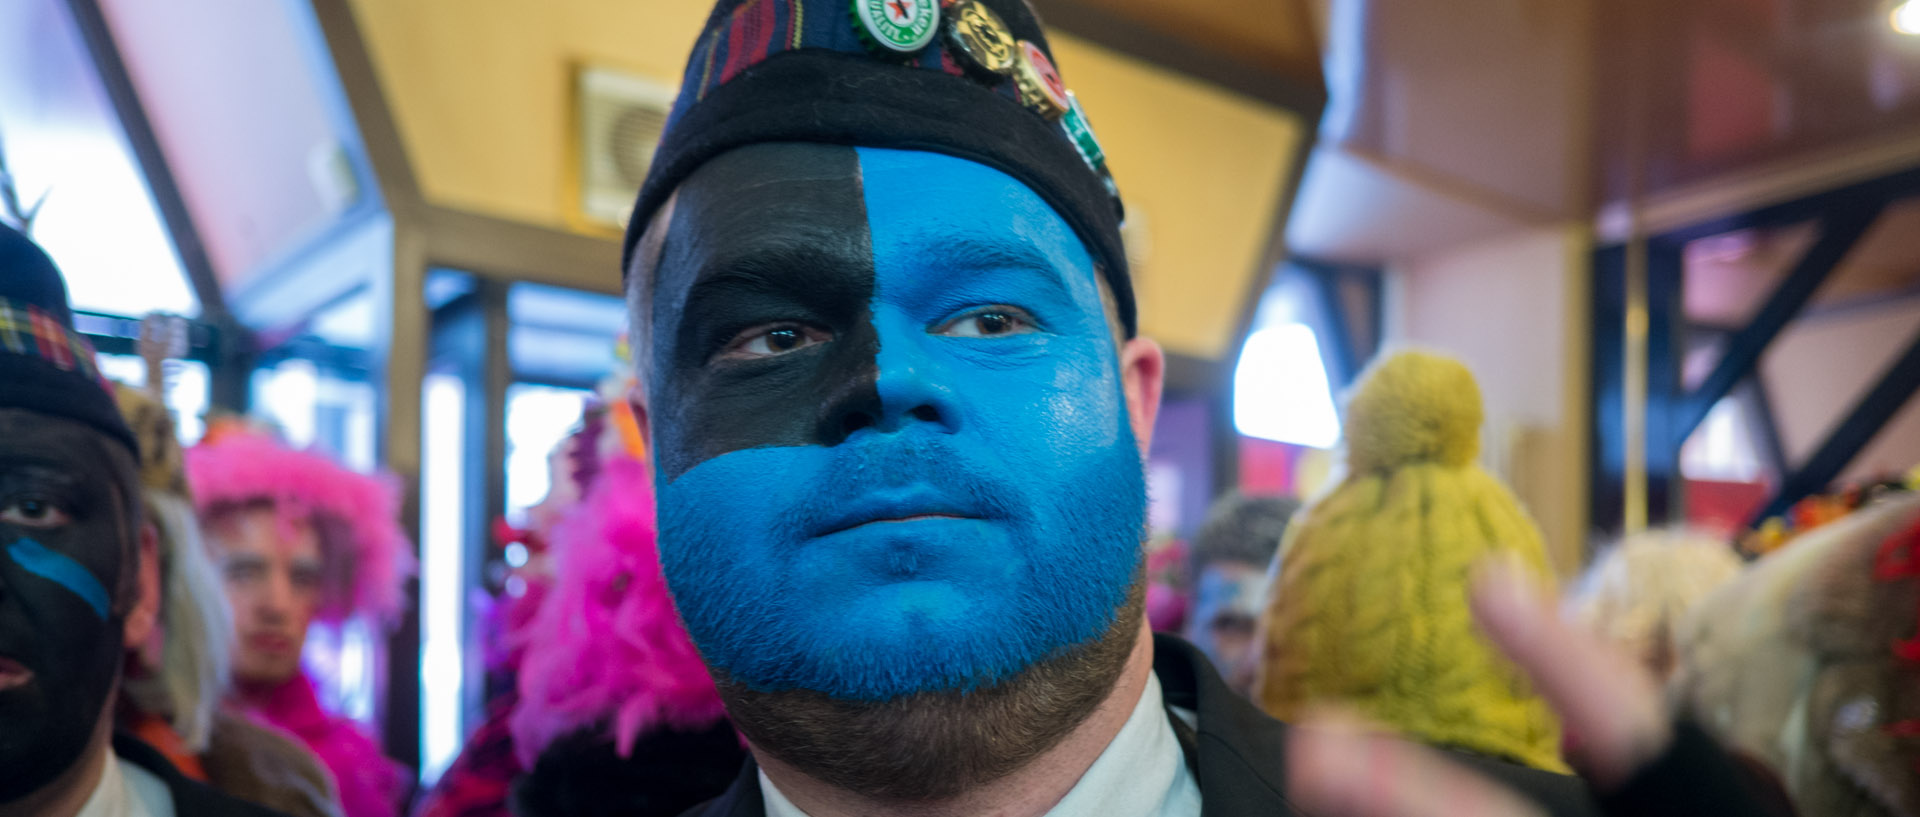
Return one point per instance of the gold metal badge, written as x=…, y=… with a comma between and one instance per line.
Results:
x=979, y=39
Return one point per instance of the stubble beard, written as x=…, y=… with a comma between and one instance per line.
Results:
x=933, y=746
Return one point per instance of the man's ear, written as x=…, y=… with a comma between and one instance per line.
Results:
x=144, y=615
x=1143, y=371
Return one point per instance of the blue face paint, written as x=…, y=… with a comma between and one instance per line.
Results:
x=1227, y=601
x=60, y=569
x=1004, y=466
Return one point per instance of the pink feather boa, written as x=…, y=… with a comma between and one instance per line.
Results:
x=370, y=785
x=607, y=644
x=241, y=466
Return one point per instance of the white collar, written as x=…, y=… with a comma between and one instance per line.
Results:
x=126, y=790
x=1141, y=773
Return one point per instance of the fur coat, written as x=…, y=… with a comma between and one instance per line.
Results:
x=1796, y=663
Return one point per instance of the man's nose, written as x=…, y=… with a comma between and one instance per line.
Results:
x=904, y=387
x=275, y=601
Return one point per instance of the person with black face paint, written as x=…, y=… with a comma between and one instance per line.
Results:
x=898, y=409
x=79, y=576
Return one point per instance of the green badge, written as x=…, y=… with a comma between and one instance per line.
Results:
x=899, y=26
x=1081, y=132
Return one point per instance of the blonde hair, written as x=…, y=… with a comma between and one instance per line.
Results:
x=195, y=658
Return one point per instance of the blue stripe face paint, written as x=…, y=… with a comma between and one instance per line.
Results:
x=62, y=570
x=932, y=483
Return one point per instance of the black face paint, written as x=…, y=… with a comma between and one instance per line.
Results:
x=765, y=234
x=67, y=526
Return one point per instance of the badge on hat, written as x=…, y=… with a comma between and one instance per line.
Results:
x=980, y=40
x=1078, y=129
x=897, y=26
x=1080, y=133
x=1041, y=88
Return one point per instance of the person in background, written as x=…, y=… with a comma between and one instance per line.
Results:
x=612, y=711
x=1636, y=597
x=79, y=571
x=1637, y=593
x=300, y=538
x=1168, y=588
x=177, y=679
x=177, y=676
x=1227, y=571
x=617, y=715
x=480, y=778
x=1809, y=660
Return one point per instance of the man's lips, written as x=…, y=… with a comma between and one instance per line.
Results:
x=13, y=674
x=914, y=506
x=914, y=518
x=896, y=520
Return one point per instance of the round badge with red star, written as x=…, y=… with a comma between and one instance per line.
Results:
x=897, y=26
x=1040, y=85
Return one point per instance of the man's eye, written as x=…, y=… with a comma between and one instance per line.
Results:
x=306, y=578
x=992, y=321
x=33, y=512
x=771, y=340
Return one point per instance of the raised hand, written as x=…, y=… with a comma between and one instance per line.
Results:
x=1336, y=768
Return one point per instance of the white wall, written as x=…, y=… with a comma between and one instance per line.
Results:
x=1821, y=365
x=1514, y=309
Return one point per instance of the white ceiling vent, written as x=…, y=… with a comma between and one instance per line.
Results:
x=621, y=116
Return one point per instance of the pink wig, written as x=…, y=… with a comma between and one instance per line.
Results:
x=236, y=467
x=606, y=645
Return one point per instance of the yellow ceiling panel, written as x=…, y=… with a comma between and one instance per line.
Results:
x=481, y=91
x=1203, y=171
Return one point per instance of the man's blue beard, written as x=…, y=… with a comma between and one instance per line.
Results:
x=875, y=613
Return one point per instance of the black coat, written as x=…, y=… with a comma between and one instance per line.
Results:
x=1239, y=761
x=190, y=798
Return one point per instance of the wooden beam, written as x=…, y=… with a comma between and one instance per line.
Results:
x=1302, y=96
x=510, y=250
x=1838, y=233
x=360, y=80
x=1868, y=416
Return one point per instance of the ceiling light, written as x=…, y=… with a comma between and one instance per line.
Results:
x=1906, y=17
x=1280, y=389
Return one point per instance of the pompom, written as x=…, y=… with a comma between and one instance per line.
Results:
x=1410, y=408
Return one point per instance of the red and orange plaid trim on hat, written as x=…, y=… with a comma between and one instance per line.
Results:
x=26, y=330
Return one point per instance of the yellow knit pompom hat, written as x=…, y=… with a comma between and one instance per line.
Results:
x=1369, y=604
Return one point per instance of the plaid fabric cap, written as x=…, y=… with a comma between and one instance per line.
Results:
x=26, y=330
x=799, y=71
x=49, y=368
x=754, y=30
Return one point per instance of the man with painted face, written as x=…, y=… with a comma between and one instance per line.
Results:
x=79, y=576
x=1228, y=569
x=898, y=412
